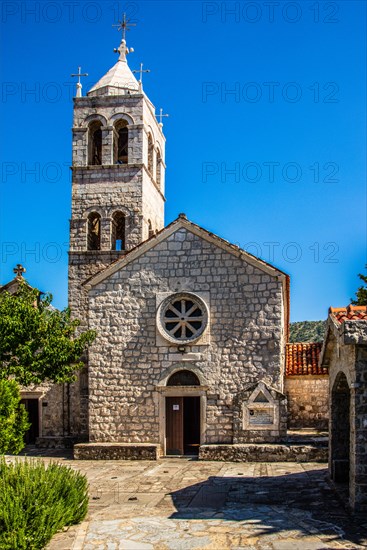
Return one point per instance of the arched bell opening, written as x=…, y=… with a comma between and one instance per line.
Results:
x=121, y=142
x=150, y=154
x=94, y=231
x=158, y=169
x=118, y=231
x=95, y=143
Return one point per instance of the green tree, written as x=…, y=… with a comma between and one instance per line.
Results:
x=13, y=418
x=37, y=341
x=361, y=294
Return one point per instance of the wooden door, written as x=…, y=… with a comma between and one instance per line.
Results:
x=174, y=426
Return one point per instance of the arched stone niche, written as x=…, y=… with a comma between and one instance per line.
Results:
x=259, y=414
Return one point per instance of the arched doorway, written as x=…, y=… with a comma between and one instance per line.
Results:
x=183, y=416
x=340, y=429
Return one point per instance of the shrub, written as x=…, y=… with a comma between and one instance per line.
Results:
x=13, y=418
x=37, y=500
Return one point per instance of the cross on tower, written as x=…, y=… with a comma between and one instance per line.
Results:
x=79, y=74
x=124, y=26
x=19, y=270
x=141, y=71
x=160, y=116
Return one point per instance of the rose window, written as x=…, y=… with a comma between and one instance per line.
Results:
x=183, y=317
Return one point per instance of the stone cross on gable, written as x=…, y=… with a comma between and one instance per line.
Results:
x=19, y=270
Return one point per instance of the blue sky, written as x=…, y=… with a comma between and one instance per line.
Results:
x=266, y=137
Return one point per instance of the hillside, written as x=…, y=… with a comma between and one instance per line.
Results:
x=307, y=331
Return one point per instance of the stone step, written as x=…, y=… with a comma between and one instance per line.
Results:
x=267, y=452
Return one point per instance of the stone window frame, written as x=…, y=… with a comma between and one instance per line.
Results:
x=252, y=405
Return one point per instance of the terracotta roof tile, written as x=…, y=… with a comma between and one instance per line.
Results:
x=303, y=359
x=351, y=313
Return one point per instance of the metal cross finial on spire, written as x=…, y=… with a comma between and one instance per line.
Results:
x=79, y=74
x=141, y=71
x=19, y=270
x=124, y=25
x=160, y=116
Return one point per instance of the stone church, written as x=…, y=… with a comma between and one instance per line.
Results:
x=191, y=330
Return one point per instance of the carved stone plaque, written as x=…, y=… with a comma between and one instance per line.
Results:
x=261, y=417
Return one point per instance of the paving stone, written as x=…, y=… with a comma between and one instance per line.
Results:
x=292, y=506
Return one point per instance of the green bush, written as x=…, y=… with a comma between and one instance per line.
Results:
x=13, y=418
x=37, y=500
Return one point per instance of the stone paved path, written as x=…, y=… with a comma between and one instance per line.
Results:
x=177, y=504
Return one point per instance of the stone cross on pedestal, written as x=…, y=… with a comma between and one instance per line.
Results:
x=141, y=71
x=79, y=74
x=160, y=116
x=19, y=270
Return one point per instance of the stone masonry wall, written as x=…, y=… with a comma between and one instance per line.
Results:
x=358, y=492
x=308, y=401
x=127, y=361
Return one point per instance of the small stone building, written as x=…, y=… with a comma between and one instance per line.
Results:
x=306, y=387
x=344, y=354
x=45, y=420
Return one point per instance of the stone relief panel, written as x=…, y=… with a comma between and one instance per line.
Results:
x=259, y=414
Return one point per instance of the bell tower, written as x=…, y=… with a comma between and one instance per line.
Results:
x=117, y=173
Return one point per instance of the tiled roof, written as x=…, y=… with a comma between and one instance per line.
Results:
x=351, y=313
x=302, y=359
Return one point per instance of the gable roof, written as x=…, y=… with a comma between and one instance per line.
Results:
x=12, y=286
x=349, y=313
x=346, y=325
x=303, y=359
x=183, y=223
